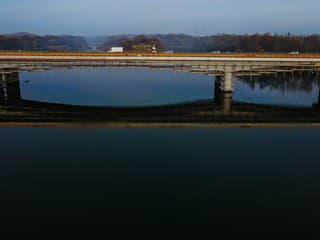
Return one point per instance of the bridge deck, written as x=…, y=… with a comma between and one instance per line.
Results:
x=233, y=58
x=133, y=54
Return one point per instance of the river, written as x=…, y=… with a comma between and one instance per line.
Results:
x=161, y=181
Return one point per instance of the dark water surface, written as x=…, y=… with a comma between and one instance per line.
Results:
x=145, y=87
x=162, y=181
x=176, y=181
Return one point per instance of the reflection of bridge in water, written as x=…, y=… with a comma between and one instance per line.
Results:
x=221, y=108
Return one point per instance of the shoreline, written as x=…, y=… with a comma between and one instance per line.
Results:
x=153, y=125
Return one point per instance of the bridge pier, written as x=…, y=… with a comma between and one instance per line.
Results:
x=222, y=99
x=9, y=88
x=317, y=104
x=3, y=89
x=225, y=82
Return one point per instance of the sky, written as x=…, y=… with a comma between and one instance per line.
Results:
x=196, y=17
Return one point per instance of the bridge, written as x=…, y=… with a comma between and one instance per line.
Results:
x=224, y=67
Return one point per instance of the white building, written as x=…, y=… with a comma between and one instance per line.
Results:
x=116, y=49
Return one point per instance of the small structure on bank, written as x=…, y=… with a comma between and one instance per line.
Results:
x=144, y=48
x=142, y=44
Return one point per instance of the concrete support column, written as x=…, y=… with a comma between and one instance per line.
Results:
x=3, y=89
x=318, y=83
x=13, y=88
x=317, y=105
x=225, y=82
x=228, y=82
x=9, y=88
x=222, y=99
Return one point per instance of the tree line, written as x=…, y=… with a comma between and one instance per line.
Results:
x=129, y=44
x=223, y=42
x=264, y=43
x=177, y=42
x=30, y=42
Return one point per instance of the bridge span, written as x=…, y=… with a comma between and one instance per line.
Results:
x=223, y=66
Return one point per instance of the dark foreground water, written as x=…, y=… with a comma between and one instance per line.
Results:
x=163, y=182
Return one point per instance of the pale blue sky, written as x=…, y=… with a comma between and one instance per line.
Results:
x=197, y=17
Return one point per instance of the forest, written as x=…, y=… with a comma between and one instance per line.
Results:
x=264, y=43
x=129, y=43
x=31, y=42
x=267, y=42
x=225, y=42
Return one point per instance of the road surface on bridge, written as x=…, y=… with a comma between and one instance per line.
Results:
x=87, y=56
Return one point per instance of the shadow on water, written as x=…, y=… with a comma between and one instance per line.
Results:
x=221, y=108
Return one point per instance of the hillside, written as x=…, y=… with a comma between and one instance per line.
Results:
x=227, y=42
x=176, y=42
x=27, y=41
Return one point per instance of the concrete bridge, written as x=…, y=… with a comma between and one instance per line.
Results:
x=223, y=66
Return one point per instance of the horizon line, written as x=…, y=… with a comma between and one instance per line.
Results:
x=169, y=33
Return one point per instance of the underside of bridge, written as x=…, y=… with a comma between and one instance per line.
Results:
x=224, y=70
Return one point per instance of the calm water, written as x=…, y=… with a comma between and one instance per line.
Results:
x=167, y=181
x=128, y=87
x=161, y=182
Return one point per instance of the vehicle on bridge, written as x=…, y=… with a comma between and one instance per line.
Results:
x=116, y=50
